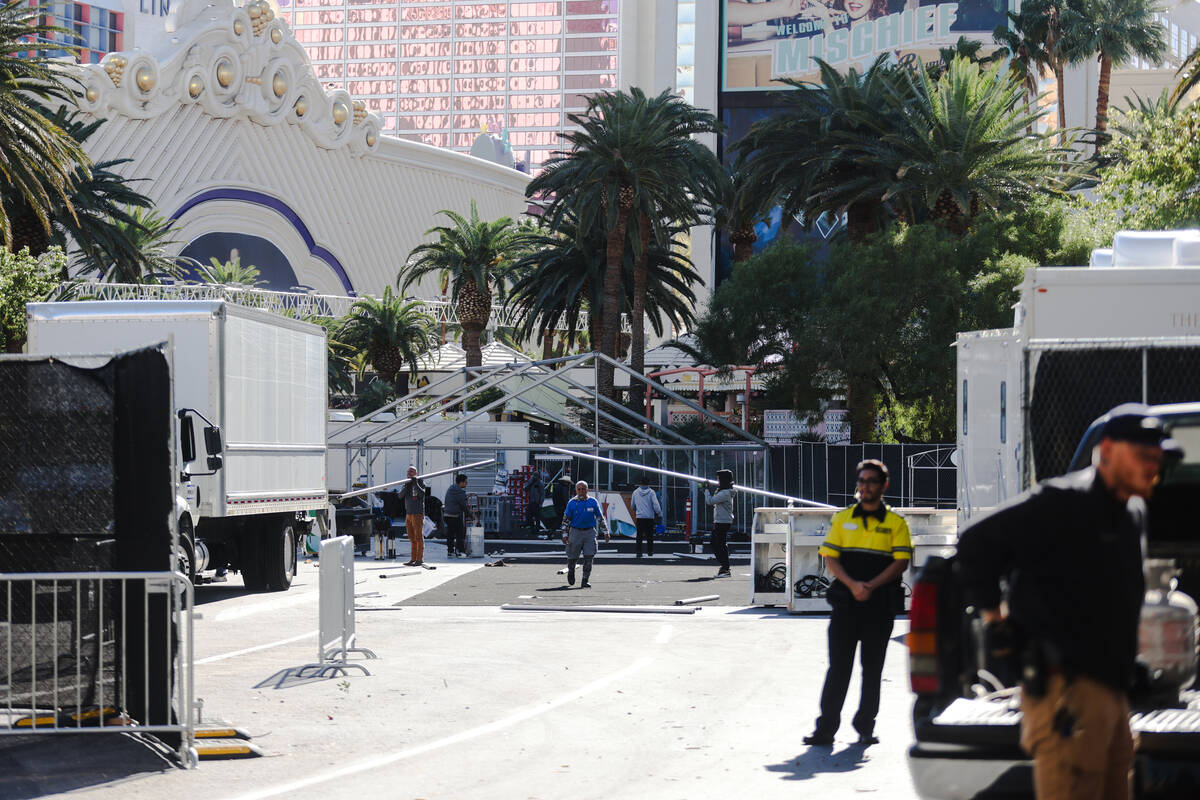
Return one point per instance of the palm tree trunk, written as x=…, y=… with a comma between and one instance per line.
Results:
x=547, y=344
x=1062, y=107
x=471, y=337
x=1102, y=101
x=743, y=245
x=610, y=318
x=859, y=221
x=402, y=383
x=637, y=321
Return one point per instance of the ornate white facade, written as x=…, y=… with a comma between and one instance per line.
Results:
x=226, y=123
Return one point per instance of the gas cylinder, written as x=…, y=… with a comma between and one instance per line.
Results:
x=1167, y=630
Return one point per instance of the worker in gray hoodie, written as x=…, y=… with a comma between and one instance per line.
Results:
x=722, y=503
x=646, y=513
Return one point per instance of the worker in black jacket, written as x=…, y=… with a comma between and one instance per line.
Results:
x=1070, y=550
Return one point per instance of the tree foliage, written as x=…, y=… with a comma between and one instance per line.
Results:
x=393, y=332
x=38, y=158
x=24, y=279
x=476, y=257
x=892, y=143
x=229, y=273
x=1153, y=181
x=561, y=278
x=634, y=166
x=881, y=313
x=1114, y=32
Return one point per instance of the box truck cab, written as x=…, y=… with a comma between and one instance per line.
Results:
x=249, y=395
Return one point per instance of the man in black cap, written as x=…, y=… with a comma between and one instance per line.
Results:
x=1070, y=550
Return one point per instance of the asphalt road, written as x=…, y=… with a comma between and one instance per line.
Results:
x=470, y=701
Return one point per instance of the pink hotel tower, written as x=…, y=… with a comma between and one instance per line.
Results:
x=438, y=71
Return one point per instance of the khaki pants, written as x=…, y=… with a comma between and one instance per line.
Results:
x=1078, y=735
x=416, y=535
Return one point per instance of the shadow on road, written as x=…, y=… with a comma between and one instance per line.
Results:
x=817, y=760
x=36, y=766
x=214, y=594
x=290, y=677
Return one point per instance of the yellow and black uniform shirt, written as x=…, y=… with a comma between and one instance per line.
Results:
x=866, y=542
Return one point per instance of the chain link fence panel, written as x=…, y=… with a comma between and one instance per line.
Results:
x=1069, y=385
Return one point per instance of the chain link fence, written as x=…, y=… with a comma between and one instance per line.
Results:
x=747, y=465
x=1069, y=385
x=920, y=474
x=56, y=442
x=82, y=645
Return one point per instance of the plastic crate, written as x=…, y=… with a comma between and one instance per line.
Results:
x=496, y=513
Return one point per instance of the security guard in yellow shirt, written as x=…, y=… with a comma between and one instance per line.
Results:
x=867, y=550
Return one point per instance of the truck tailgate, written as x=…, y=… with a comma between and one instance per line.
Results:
x=997, y=724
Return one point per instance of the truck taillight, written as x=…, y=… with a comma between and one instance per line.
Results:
x=922, y=639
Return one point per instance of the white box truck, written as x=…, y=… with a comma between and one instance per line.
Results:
x=255, y=381
x=1084, y=339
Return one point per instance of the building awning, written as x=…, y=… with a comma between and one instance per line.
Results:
x=450, y=357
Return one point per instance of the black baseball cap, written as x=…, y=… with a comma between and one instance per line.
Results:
x=1133, y=422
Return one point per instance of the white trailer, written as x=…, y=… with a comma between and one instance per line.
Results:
x=256, y=381
x=1084, y=339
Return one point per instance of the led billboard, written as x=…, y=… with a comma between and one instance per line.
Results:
x=767, y=40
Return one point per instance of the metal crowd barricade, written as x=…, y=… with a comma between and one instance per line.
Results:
x=98, y=652
x=336, y=639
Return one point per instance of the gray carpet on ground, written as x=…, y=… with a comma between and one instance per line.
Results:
x=614, y=582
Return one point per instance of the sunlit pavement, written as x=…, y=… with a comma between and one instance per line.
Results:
x=471, y=701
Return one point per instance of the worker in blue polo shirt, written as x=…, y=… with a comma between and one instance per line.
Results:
x=579, y=532
x=867, y=549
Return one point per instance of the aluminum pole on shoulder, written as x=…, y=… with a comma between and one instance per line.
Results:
x=693, y=478
x=390, y=484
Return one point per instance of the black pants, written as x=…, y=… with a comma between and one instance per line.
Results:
x=720, y=547
x=645, y=533
x=852, y=626
x=533, y=513
x=456, y=535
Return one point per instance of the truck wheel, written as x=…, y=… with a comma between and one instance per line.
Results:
x=279, y=554
x=185, y=553
x=250, y=554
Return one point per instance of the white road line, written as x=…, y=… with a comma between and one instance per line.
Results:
x=270, y=605
x=254, y=649
x=467, y=735
x=664, y=634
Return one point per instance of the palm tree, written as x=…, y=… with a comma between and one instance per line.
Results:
x=38, y=159
x=957, y=145
x=150, y=236
x=104, y=225
x=799, y=155
x=698, y=181
x=1033, y=39
x=476, y=256
x=1189, y=76
x=1116, y=32
x=228, y=273
x=392, y=332
x=1023, y=42
x=561, y=279
x=632, y=161
x=102, y=219
x=963, y=48
x=742, y=205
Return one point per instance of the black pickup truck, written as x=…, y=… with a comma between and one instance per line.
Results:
x=966, y=716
